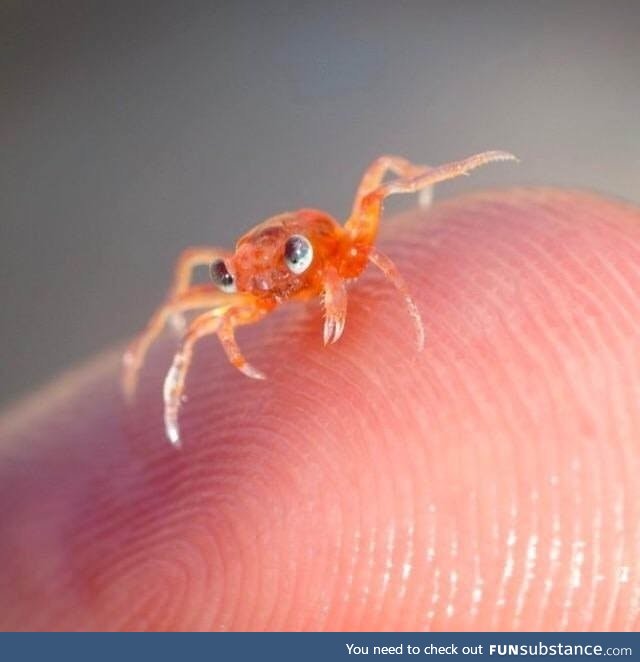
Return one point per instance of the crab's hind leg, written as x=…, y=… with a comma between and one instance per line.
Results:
x=199, y=296
x=390, y=270
x=362, y=225
x=221, y=321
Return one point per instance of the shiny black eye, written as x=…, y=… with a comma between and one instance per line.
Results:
x=221, y=276
x=298, y=253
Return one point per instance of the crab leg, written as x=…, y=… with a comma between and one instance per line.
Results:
x=222, y=321
x=390, y=270
x=375, y=173
x=335, y=306
x=199, y=296
x=188, y=261
x=362, y=226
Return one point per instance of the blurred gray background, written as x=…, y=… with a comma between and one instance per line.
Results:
x=129, y=130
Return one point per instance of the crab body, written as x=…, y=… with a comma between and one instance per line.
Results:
x=297, y=255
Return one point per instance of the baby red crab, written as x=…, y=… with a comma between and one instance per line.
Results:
x=293, y=256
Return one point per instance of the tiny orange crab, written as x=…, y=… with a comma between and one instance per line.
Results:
x=293, y=256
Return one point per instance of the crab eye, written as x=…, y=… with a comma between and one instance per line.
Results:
x=221, y=276
x=298, y=253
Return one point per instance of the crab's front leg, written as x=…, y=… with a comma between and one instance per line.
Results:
x=240, y=309
x=335, y=306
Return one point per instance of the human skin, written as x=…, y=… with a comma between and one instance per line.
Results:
x=489, y=482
